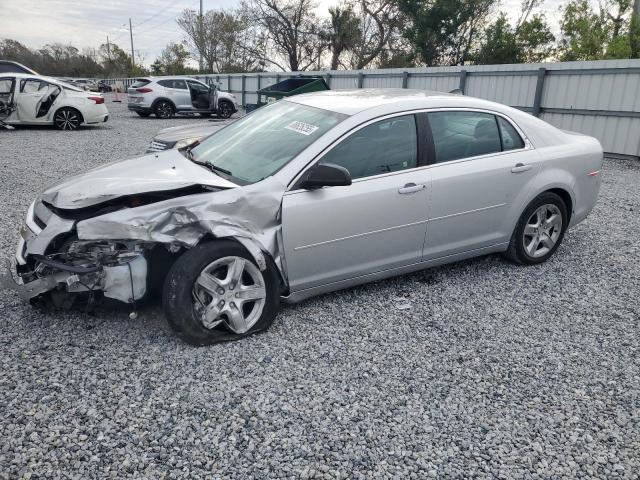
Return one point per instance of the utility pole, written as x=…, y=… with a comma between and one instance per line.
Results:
x=133, y=64
x=634, y=30
x=200, y=33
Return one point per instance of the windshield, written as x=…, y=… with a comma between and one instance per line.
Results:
x=261, y=143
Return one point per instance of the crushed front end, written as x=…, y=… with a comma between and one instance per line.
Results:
x=51, y=261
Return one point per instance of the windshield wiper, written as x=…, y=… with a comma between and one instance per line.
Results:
x=217, y=168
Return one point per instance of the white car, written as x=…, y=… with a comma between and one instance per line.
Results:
x=27, y=99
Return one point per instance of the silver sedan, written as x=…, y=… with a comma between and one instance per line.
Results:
x=311, y=194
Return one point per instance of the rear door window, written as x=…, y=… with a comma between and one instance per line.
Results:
x=32, y=85
x=511, y=140
x=465, y=134
x=179, y=84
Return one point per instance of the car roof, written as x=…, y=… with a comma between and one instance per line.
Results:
x=351, y=102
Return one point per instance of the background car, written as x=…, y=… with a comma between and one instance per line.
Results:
x=86, y=84
x=104, y=87
x=166, y=96
x=27, y=99
x=181, y=137
x=308, y=195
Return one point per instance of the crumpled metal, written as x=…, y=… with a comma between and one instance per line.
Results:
x=250, y=214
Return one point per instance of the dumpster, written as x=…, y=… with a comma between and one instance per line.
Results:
x=290, y=87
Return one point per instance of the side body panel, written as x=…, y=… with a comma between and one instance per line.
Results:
x=477, y=201
x=336, y=233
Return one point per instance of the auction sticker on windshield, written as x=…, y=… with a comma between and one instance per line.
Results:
x=301, y=127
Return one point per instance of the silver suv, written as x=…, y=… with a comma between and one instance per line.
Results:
x=166, y=96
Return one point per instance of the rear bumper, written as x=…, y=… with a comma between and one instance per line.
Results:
x=96, y=114
x=134, y=107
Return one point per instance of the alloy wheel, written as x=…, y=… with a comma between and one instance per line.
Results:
x=542, y=230
x=164, y=109
x=229, y=291
x=67, y=119
x=225, y=110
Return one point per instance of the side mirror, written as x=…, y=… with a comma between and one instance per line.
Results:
x=325, y=175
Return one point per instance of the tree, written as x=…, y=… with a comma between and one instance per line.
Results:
x=291, y=30
x=530, y=41
x=115, y=61
x=593, y=35
x=378, y=25
x=341, y=32
x=442, y=32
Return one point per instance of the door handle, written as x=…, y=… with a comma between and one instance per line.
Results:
x=520, y=167
x=411, y=188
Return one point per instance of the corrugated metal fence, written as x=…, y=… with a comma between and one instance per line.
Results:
x=599, y=98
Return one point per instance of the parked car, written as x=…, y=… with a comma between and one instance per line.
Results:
x=27, y=99
x=9, y=66
x=166, y=96
x=307, y=195
x=181, y=137
x=86, y=84
x=104, y=87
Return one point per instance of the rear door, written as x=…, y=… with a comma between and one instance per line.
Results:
x=31, y=93
x=377, y=223
x=177, y=91
x=480, y=176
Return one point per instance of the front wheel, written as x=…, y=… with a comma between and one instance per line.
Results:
x=225, y=109
x=164, y=109
x=215, y=292
x=67, y=119
x=539, y=231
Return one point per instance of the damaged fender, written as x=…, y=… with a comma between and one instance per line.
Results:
x=250, y=214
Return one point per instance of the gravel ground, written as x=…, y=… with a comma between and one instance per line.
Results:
x=477, y=369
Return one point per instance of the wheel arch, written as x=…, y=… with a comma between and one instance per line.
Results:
x=160, y=99
x=566, y=198
x=70, y=107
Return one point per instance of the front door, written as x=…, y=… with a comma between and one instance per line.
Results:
x=7, y=105
x=377, y=223
x=479, y=181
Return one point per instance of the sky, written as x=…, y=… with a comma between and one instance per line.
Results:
x=87, y=23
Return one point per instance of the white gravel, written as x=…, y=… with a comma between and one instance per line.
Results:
x=479, y=369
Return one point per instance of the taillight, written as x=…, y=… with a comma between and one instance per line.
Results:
x=143, y=90
x=98, y=100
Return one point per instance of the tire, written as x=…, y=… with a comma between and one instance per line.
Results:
x=164, y=109
x=67, y=118
x=202, y=281
x=537, y=236
x=225, y=109
x=144, y=114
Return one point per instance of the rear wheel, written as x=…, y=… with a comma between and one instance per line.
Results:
x=225, y=109
x=215, y=292
x=539, y=231
x=67, y=119
x=144, y=114
x=164, y=109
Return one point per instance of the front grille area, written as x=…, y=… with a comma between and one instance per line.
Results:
x=156, y=146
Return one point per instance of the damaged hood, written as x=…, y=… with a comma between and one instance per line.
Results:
x=158, y=172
